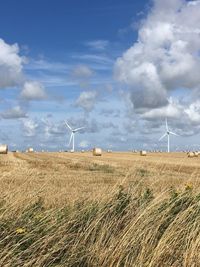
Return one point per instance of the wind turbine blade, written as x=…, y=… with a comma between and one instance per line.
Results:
x=166, y=124
x=68, y=125
x=79, y=129
x=162, y=137
x=174, y=133
x=70, y=139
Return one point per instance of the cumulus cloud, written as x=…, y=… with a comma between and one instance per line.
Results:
x=165, y=56
x=184, y=118
x=11, y=73
x=53, y=129
x=92, y=126
x=173, y=110
x=11, y=64
x=30, y=127
x=14, y=113
x=33, y=90
x=108, y=125
x=193, y=112
x=109, y=112
x=87, y=100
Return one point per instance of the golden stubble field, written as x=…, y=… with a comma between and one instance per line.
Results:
x=118, y=210
x=60, y=177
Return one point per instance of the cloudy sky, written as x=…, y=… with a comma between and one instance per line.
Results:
x=117, y=67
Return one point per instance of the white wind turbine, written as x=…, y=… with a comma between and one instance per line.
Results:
x=73, y=131
x=168, y=132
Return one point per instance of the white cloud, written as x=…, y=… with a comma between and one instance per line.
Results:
x=165, y=56
x=193, y=112
x=11, y=64
x=87, y=100
x=30, y=127
x=14, y=113
x=82, y=72
x=173, y=110
x=33, y=91
x=193, y=3
x=53, y=129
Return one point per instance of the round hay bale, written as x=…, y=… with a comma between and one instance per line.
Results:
x=196, y=154
x=3, y=149
x=97, y=151
x=109, y=151
x=190, y=154
x=82, y=151
x=143, y=153
x=30, y=150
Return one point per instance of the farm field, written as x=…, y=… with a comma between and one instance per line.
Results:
x=120, y=209
x=71, y=176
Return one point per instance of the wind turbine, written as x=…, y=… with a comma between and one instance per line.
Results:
x=73, y=131
x=168, y=132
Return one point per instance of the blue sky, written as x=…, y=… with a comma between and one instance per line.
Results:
x=117, y=67
x=59, y=28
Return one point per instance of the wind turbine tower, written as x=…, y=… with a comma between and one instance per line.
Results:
x=73, y=131
x=168, y=133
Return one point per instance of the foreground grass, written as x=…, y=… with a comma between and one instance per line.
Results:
x=131, y=227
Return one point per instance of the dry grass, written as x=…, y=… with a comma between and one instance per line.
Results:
x=65, y=209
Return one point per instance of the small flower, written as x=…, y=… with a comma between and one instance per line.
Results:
x=20, y=230
x=188, y=186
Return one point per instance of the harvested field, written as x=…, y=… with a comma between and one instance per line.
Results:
x=58, y=177
x=120, y=209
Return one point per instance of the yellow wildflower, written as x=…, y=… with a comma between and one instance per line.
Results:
x=20, y=230
x=188, y=186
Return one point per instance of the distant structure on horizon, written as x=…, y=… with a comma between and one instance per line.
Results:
x=167, y=133
x=73, y=131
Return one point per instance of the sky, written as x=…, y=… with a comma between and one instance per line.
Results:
x=117, y=67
